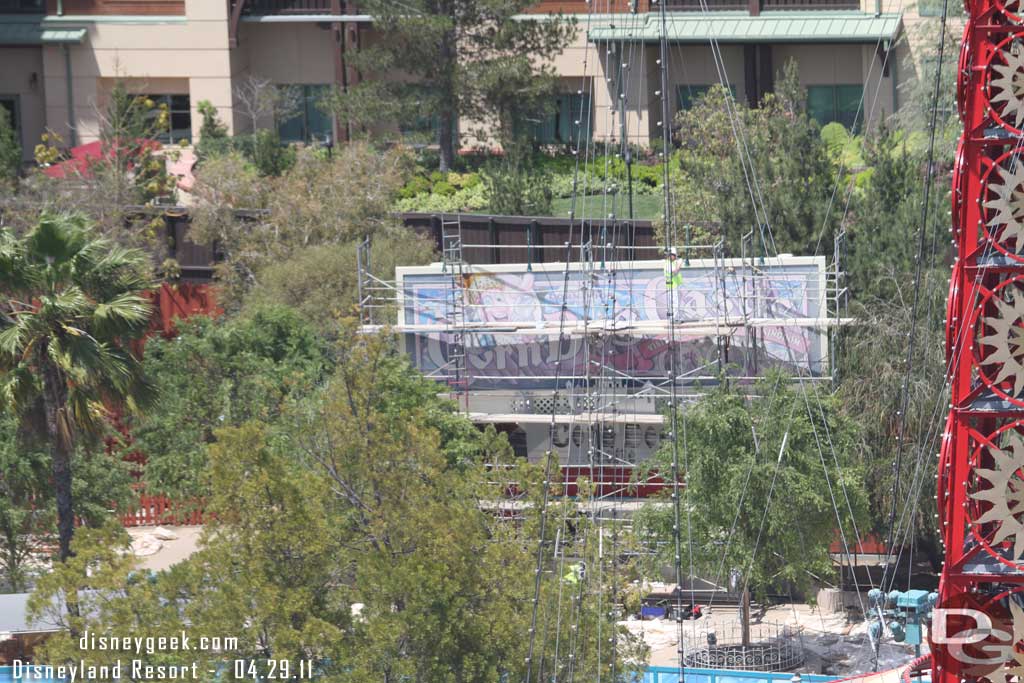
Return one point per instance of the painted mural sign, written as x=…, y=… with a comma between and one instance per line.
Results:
x=628, y=295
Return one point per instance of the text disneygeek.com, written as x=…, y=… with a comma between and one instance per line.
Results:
x=139, y=668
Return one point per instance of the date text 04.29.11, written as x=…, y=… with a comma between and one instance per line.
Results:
x=272, y=669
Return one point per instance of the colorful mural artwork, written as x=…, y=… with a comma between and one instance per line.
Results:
x=628, y=295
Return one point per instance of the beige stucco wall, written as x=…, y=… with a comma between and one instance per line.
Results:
x=284, y=53
x=844, y=65
x=21, y=75
x=695, y=65
x=191, y=55
x=288, y=53
x=147, y=51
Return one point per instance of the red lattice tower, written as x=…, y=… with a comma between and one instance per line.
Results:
x=981, y=463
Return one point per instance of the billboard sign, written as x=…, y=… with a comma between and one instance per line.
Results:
x=527, y=354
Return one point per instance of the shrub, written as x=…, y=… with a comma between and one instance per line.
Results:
x=443, y=188
x=212, y=128
x=263, y=150
x=10, y=150
x=518, y=186
x=416, y=185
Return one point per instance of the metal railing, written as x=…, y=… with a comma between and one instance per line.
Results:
x=772, y=647
x=765, y=5
x=712, y=5
x=773, y=5
x=287, y=7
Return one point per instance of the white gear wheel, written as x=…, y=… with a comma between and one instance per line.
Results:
x=1009, y=79
x=1007, y=340
x=1006, y=495
x=1008, y=203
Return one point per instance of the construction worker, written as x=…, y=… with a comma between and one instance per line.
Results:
x=673, y=279
x=575, y=574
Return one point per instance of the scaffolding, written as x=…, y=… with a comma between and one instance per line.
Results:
x=455, y=311
x=492, y=332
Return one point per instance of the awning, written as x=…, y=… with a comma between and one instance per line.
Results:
x=22, y=30
x=824, y=26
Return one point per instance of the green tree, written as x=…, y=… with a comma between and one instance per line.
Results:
x=322, y=200
x=10, y=151
x=26, y=510
x=72, y=301
x=320, y=282
x=473, y=60
x=129, y=171
x=217, y=374
x=757, y=488
x=130, y=127
x=518, y=186
x=791, y=191
x=212, y=127
x=884, y=232
x=357, y=530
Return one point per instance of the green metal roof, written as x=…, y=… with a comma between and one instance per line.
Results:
x=826, y=26
x=28, y=30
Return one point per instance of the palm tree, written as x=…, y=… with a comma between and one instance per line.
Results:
x=71, y=303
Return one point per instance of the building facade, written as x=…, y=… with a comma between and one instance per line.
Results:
x=59, y=60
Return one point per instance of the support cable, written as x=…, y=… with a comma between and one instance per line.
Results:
x=905, y=391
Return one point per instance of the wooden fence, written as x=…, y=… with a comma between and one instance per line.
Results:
x=160, y=510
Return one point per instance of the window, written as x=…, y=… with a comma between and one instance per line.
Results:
x=180, y=110
x=933, y=8
x=828, y=103
x=10, y=103
x=423, y=124
x=28, y=6
x=687, y=95
x=309, y=122
x=558, y=125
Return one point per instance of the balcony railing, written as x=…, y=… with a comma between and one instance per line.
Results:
x=287, y=7
x=699, y=5
x=765, y=5
x=771, y=5
x=22, y=7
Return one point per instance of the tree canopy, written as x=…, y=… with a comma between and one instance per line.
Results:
x=353, y=532
x=482, y=61
x=72, y=303
x=770, y=476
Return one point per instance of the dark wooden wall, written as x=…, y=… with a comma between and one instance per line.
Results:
x=527, y=239
x=126, y=7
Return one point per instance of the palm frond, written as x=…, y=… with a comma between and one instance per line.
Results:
x=105, y=270
x=65, y=305
x=19, y=388
x=87, y=300
x=57, y=238
x=13, y=273
x=126, y=315
x=12, y=343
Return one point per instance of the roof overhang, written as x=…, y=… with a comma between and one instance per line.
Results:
x=29, y=30
x=768, y=27
x=14, y=619
x=307, y=18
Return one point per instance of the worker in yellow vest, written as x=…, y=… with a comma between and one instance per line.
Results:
x=673, y=279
